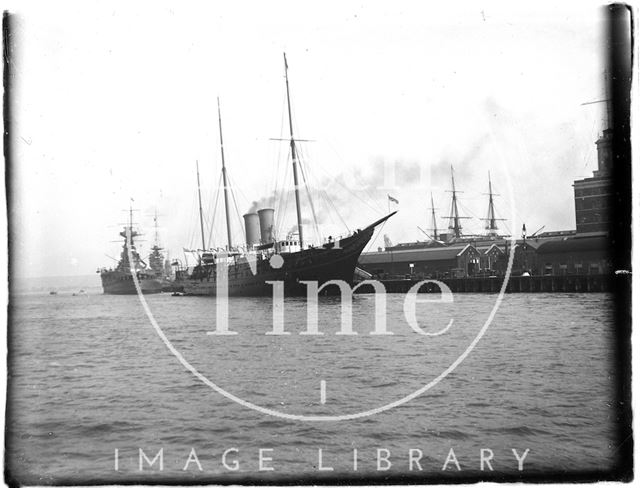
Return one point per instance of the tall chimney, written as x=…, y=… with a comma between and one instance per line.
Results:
x=252, y=228
x=266, y=225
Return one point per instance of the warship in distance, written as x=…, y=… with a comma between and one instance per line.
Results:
x=158, y=266
x=119, y=280
x=266, y=258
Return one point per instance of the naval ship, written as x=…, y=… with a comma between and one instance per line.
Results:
x=119, y=280
x=158, y=265
x=290, y=260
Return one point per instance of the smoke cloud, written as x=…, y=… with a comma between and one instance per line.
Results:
x=263, y=202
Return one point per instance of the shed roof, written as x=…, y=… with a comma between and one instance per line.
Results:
x=426, y=254
x=576, y=244
x=486, y=249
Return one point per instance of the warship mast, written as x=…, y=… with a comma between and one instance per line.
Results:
x=491, y=219
x=454, y=215
x=155, y=226
x=433, y=220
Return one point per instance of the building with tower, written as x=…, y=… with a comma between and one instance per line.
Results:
x=452, y=254
x=592, y=195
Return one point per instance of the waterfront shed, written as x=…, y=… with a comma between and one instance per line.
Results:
x=577, y=255
x=434, y=262
x=493, y=258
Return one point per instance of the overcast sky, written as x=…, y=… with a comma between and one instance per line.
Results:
x=115, y=101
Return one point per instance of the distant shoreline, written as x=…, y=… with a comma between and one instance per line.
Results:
x=19, y=284
x=48, y=277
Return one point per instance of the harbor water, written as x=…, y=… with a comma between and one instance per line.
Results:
x=92, y=385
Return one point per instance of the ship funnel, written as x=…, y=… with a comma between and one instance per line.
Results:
x=252, y=228
x=266, y=225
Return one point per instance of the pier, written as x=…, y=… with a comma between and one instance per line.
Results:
x=592, y=283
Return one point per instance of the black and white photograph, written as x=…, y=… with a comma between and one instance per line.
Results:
x=318, y=243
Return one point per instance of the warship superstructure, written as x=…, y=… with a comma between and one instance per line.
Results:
x=119, y=280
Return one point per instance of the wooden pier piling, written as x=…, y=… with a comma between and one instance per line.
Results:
x=516, y=284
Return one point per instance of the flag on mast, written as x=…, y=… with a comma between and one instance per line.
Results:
x=391, y=199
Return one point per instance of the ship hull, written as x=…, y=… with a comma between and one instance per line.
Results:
x=334, y=261
x=121, y=283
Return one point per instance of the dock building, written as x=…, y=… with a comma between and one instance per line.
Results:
x=583, y=251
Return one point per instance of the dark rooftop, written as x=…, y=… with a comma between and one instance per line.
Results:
x=576, y=244
x=425, y=254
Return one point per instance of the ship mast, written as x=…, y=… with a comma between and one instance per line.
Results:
x=433, y=220
x=454, y=217
x=294, y=157
x=128, y=240
x=200, y=206
x=131, y=219
x=491, y=214
x=224, y=182
x=155, y=225
x=492, y=220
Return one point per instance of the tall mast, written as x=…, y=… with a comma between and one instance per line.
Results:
x=454, y=218
x=200, y=206
x=128, y=239
x=294, y=157
x=224, y=182
x=130, y=218
x=491, y=214
x=433, y=220
x=155, y=225
x=492, y=220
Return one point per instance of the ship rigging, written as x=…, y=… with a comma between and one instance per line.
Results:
x=251, y=268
